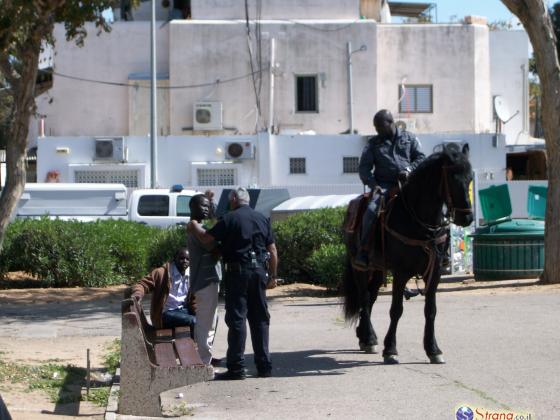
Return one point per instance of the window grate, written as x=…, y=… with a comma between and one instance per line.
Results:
x=306, y=94
x=128, y=178
x=297, y=166
x=416, y=99
x=210, y=177
x=350, y=164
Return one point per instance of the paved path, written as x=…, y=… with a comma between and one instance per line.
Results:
x=501, y=349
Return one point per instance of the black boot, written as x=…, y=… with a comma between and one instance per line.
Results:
x=410, y=293
x=361, y=260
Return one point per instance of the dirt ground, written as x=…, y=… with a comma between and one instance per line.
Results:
x=31, y=405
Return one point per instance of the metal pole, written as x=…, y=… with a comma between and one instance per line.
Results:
x=350, y=110
x=271, y=96
x=88, y=374
x=153, y=101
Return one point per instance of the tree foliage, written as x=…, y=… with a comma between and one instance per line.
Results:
x=25, y=27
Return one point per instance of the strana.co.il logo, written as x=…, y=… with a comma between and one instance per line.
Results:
x=464, y=413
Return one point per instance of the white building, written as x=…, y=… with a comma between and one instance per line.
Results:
x=320, y=67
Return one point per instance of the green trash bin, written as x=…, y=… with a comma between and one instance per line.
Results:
x=509, y=250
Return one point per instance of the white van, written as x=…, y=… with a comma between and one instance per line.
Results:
x=89, y=202
x=162, y=208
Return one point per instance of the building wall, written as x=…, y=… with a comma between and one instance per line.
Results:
x=452, y=58
x=77, y=107
x=509, y=66
x=179, y=157
x=286, y=9
x=206, y=52
x=209, y=60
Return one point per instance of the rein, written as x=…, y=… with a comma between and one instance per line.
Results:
x=427, y=245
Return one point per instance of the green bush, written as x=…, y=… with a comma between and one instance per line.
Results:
x=300, y=235
x=71, y=253
x=327, y=265
x=165, y=245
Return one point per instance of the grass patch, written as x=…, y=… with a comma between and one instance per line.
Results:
x=62, y=383
x=112, y=358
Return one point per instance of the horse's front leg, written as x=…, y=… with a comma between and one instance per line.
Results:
x=365, y=331
x=390, y=351
x=430, y=310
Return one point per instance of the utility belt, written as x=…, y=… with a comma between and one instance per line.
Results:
x=254, y=261
x=236, y=267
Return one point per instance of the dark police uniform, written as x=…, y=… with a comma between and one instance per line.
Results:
x=241, y=232
x=387, y=158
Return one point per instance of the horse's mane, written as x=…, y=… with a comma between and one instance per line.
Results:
x=450, y=154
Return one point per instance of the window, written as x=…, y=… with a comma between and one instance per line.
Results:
x=350, y=164
x=416, y=99
x=297, y=165
x=183, y=209
x=128, y=178
x=209, y=177
x=306, y=94
x=153, y=205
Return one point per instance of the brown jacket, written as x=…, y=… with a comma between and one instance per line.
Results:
x=158, y=282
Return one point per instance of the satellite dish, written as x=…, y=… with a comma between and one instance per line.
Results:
x=501, y=109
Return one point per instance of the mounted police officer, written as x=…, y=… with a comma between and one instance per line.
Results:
x=392, y=154
x=245, y=238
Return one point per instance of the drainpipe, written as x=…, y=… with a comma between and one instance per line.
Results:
x=271, y=95
x=350, y=110
x=153, y=100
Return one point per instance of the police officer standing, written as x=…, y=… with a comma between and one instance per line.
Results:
x=392, y=154
x=245, y=236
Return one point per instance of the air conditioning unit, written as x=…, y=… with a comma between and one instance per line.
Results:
x=110, y=149
x=240, y=150
x=408, y=124
x=207, y=115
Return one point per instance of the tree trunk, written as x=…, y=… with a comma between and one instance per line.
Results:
x=534, y=16
x=24, y=106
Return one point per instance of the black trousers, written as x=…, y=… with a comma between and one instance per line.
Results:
x=246, y=301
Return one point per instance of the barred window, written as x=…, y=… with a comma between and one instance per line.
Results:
x=306, y=94
x=350, y=164
x=128, y=178
x=416, y=99
x=209, y=177
x=297, y=166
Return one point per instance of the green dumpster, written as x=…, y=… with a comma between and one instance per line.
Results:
x=509, y=248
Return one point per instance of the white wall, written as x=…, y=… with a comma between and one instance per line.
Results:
x=509, y=68
x=208, y=51
x=77, y=108
x=453, y=58
x=179, y=156
x=286, y=9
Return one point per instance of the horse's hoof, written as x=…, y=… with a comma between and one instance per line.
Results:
x=391, y=360
x=437, y=359
x=369, y=348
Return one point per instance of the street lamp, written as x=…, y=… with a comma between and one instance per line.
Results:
x=350, y=109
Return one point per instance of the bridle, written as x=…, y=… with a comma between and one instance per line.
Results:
x=451, y=208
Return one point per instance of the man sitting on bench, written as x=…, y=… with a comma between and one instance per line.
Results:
x=172, y=305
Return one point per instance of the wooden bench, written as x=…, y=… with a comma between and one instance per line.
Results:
x=153, y=361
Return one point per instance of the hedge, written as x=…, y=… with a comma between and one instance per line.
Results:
x=300, y=235
x=71, y=253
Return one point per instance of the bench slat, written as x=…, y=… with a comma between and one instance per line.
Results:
x=182, y=332
x=165, y=355
x=167, y=333
x=188, y=355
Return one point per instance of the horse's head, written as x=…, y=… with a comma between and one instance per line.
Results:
x=456, y=177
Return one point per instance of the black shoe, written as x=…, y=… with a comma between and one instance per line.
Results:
x=410, y=293
x=215, y=362
x=361, y=260
x=229, y=375
x=264, y=373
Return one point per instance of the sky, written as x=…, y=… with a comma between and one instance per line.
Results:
x=494, y=10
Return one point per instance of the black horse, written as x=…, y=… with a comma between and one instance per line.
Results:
x=410, y=240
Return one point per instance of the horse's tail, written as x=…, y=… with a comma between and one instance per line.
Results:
x=353, y=291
